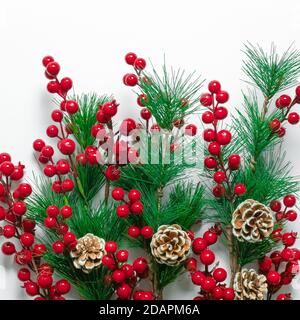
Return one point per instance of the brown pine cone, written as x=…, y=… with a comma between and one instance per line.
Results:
x=88, y=252
x=170, y=245
x=252, y=221
x=248, y=285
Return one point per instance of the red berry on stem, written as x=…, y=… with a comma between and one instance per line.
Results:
x=214, y=148
x=50, y=222
x=289, y=200
x=111, y=247
x=206, y=99
x=133, y=231
x=289, y=238
x=131, y=80
x=293, y=118
x=210, y=163
x=222, y=96
x=291, y=215
x=210, y=237
x=52, y=131
x=208, y=284
x=66, y=84
x=214, y=86
x=219, y=176
x=275, y=125
x=8, y=231
x=191, y=264
x=28, y=225
x=8, y=248
x=27, y=239
x=39, y=249
x=281, y=132
x=4, y=157
x=112, y=173
x=53, y=68
x=207, y=257
x=228, y=294
x=145, y=113
x=123, y=211
x=134, y=195
x=208, y=117
x=198, y=245
x=190, y=130
x=209, y=135
x=24, y=274
x=234, y=161
x=19, y=208
x=240, y=189
x=198, y=278
x=273, y=278
x=63, y=286
x=130, y=58
x=284, y=101
x=7, y=168
x=124, y=291
x=66, y=146
x=287, y=254
x=38, y=145
x=46, y=60
x=67, y=185
x=118, y=194
x=52, y=211
x=224, y=137
x=69, y=237
x=31, y=288
x=265, y=264
x=71, y=106
x=147, y=232
x=275, y=205
x=140, y=265
x=218, y=191
x=45, y=281
x=220, y=113
x=62, y=167
x=110, y=108
x=140, y=63
x=118, y=276
x=122, y=255
x=220, y=274
x=137, y=208
x=58, y=247
x=127, y=126
x=142, y=99
x=217, y=293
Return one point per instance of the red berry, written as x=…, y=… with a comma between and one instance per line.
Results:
x=191, y=264
x=58, y=247
x=222, y=96
x=118, y=194
x=284, y=101
x=219, y=177
x=62, y=167
x=208, y=117
x=214, y=86
x=27, y=239
x=234, y=161
x=110, y=108
x=210, y=163
x=52, y=211
x=218, y=191
x=275, y=125
x=137, y=208
x=127, y=126
x=209, y=135
x=53, y=86
x=98, y=131
x=66, y=212
x=289, y=238
x=19, y=208
x=289, y=200
x=140, y=265
x=291, y=215
x=207, y=257
x=63, y=286
x=283, y=296
x=31, y=288
x=273, y=278
x=140, y=63
x=287, y=254
x=142, y=99
x=206, y=99
x=8, y=248
x=210, y=237
x=224, y=137
x=240, y=189
x=112, y=173
x=123, y=211
x=24, y=274
x=39, y=249
x=292, y=267
x=28, y=225
x=130, y=58
x=146, y=114
x=46, y=60
x=53, y=68
x=147, y=232
x=228, y=294
x=67, y=185
x=275, y=205
x=131, y=80
x=102, y=117
x=133, y=231
x=293, y=118
x=124, y=291
x=208, y=284
x=199, y=244
x=7, y=168
x=47, y=151
x=297, y=91
x=71, y=106
x=190, y=130
x=198, y=278
x=220, y=113
x=220, y=274
x=217, y=293
x=69, y=237
x=111, y=247
x=4, y=157
x=9, y=231
x=2, y=213
x=265, y=264
x=134, y=195
x=214, y=148
x=66, y=146
x=45, y=281
x=25, y=190
x=56, y=187
x=38, y=145
x=50, y=222
x=281, y=132
x=66, y=84
x=122, y=255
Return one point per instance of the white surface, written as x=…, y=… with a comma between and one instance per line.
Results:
x=90, y=38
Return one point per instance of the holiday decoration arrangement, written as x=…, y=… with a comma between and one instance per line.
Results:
x=108, y=188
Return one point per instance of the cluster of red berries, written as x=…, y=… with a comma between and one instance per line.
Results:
x=211, y=282
x=139, y=64
x=23, y=229
x=65, y=145
x=125, y=276
x=282, y=266
x=217, y=139
x=285, y=104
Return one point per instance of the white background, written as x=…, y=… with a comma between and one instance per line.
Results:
x=89, y=39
